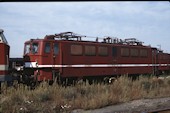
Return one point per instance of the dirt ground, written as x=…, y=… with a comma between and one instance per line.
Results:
x=135, y=106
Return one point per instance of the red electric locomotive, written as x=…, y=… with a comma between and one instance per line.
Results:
x=4, y=58
x=65, y=55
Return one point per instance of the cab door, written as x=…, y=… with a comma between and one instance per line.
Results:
x=56, y=61
x=51, y=55
x=49, y=60
x=55, y=51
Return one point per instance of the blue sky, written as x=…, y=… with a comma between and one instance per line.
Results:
x=147, y=21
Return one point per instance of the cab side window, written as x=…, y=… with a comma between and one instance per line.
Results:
x=27, y=48
x=35, y=48
x=47, y=48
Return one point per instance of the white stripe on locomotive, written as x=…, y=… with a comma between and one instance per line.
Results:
x=35, y=65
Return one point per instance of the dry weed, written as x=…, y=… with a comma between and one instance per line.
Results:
x=55, y=98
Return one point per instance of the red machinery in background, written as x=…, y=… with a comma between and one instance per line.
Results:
x=4, y=58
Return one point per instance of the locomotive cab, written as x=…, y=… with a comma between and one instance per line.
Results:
x=40, y=55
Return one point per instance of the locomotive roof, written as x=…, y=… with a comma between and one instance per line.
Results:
x=72, y=37
x=87, y=42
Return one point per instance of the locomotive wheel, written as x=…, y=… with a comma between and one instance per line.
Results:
x=106, y=80
x=56, y=78
x=33, y=84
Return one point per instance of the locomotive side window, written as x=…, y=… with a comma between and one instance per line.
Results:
x=90, y=50
x=143, y=53
x=35, y=48
x=56, y=49
x=114, y=51
x=125, y=52
x=103, y=51
x=134, y=52
x=76, y=50
x=47, y=48
x=27, y=48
